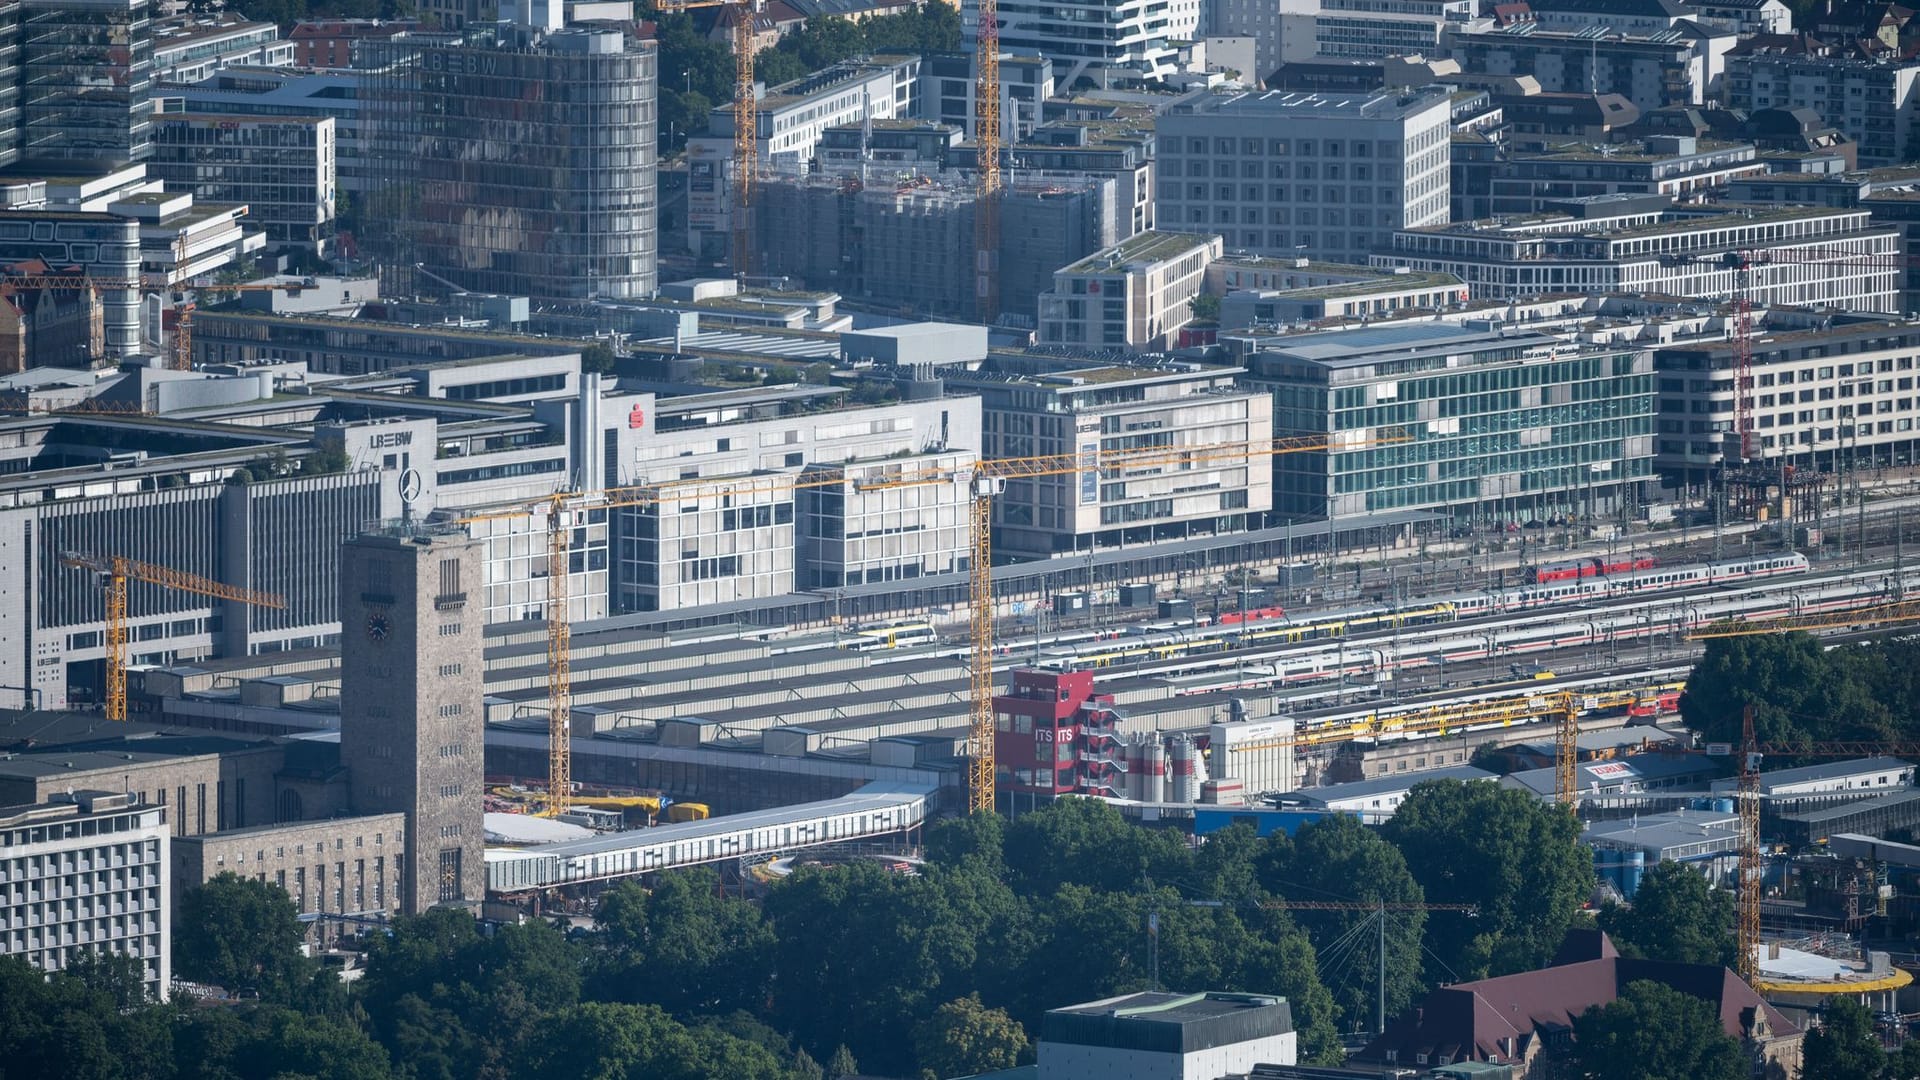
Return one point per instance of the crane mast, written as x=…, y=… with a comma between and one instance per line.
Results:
x=986, y=134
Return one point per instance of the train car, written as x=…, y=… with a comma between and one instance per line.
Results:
x=1236, y=618
x=894, y=636
x=1570, y=570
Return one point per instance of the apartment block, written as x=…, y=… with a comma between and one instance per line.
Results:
x=1134, y=295
x=86, y=871
x=1329, y=176
x=1873, y=98
x=1296, y=31
x=1270, y=292
x=189, y=48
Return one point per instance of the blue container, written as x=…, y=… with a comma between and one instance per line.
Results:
x=1723, y=806
x=1636, y=869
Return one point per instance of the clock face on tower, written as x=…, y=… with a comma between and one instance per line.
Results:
x=379, y=626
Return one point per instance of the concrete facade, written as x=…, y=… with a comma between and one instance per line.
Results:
x=1135, y=295
x=1329, y=176
x=334, y=866
x=86, y=872
x=411, y=711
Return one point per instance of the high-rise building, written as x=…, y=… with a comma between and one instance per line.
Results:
x=521, y=163
x=87, y=872
x=281, y=168
x=1094, y=35
x=81, y=74
x=411, y=723
x=1329, y=175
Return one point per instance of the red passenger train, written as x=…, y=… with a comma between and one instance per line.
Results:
x=1586, y=568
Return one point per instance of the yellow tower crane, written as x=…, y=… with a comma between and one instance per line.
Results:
x=115, y=572
x=746, y=109
x=983, y=481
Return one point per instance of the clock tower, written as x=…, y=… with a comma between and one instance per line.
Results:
x=412, y=728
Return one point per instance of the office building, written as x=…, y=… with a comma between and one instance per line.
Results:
x=412, y=722
x=1477, y=424
x=1679, y=66
x=1526, y=181
x=708, y=546
x=1873, y=98
x=86, y=871
x=1328, y=176
x=947, y=92
x=289, y=93
x=281, y=169
x=1044, y=406
x=335, y=43
x=791, y=119
x=1102, y=40
x=81, y=80
x=1270, y=292
x=1828, y=395
x=1134, y=295
x=1642, y=244
x=102, y=245
x=501, y=178
x=909, y=244
x=189, y=48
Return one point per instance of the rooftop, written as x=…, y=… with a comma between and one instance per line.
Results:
x=1169, y=1023
x=1831, y=770
x=1387, y=785
x=1149, y=247
x=1373, y=105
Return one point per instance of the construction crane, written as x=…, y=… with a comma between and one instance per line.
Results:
x=1899, y=611
x=1742, y=263
x=115, y=572
x=1565, y=707
x=986, y=136
x=983, y=481
x=746, y=156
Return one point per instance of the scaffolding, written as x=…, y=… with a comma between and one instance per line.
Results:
x=906, y=239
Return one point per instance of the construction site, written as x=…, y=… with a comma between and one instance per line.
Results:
x=910, y=242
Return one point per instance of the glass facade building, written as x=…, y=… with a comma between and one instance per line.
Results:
x=524, y=166
x=1482, y=426
x=82, y=79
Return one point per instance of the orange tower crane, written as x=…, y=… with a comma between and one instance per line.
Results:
x=115, y=572
x=983, y=481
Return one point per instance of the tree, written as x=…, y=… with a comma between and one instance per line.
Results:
x=1515, y=857
x=239, y=933
x=1338, y=858
x=602, y=1041
x=1676, y=915
x=1904, y=1063
x=596, y=358
x=1801, y=691
x=964, y=1037
x=976, y=840
x=683, y=947
x=1654, y=1032
x=325, y=461
x=1205, y=308
x=842, y=1065
x=1844, y=1046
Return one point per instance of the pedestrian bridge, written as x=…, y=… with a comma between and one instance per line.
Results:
x=878, y=809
